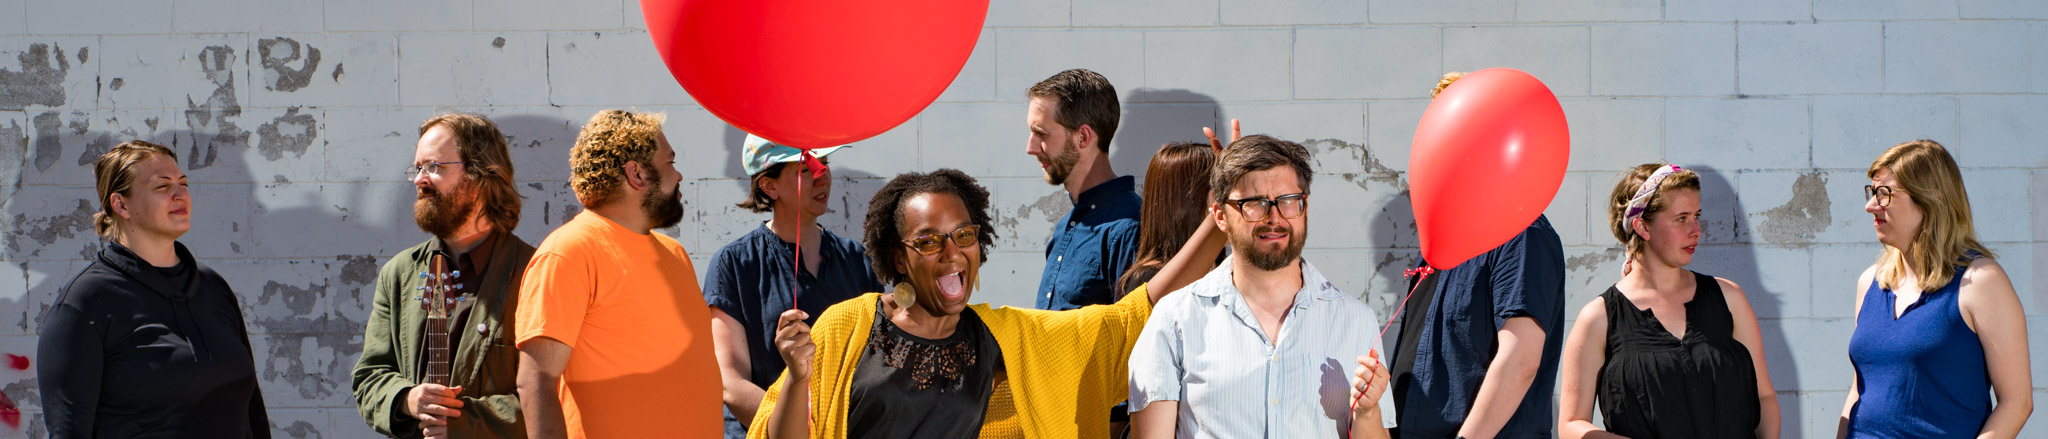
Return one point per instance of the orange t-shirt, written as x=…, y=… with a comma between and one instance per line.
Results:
x=629, y=306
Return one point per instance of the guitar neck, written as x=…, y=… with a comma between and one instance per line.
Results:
x=438, y=351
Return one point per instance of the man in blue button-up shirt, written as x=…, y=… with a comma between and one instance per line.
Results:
x=1072, y=117
x=1263, y=346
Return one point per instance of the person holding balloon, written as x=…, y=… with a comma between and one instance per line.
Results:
x=753, y=279
x=1477, y=354
x=1666, y=352
x=919, y=361
x=1939, y=329
x=1261, y=346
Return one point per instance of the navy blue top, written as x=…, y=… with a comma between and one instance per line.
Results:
x=1471, y=303
x=1091, y=247
x=750, y=280
x=1922, y=375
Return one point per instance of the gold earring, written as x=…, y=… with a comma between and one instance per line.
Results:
x=904, y=295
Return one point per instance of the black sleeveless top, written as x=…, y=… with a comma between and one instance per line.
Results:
x=1657, y=386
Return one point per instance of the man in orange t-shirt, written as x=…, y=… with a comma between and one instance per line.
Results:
x=613, y=332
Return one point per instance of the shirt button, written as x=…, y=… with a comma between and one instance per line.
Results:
x=1059, y=258
x=1276, y=401
x=1276, y=358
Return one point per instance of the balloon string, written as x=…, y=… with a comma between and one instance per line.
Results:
x=816, y=169
x=1423, y=271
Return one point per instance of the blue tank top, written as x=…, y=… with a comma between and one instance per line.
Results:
x=1922, y=375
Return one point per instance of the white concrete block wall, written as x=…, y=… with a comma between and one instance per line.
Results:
x=294, y=118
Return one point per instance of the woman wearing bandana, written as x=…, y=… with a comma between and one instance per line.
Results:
x=1666, y=352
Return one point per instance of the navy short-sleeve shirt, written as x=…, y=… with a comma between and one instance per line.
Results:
x=1454, y=342
x=751, y=278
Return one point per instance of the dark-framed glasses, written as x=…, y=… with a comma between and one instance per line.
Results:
x=1883, y=194
x=930, y=243
x=431, y=168
x=1291, y=206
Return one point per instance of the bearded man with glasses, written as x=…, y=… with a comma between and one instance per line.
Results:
x=467, y=202
x=1264, y=345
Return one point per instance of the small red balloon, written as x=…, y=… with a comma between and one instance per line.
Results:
x=814, y=73
x=1488, y=157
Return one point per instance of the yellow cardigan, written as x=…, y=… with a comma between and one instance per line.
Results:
x=1065, y=368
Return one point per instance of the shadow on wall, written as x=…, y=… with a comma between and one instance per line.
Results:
x=1729, y=253
x=303, y=256
x=1163, y=116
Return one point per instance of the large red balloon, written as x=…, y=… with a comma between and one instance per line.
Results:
x=814, y=73
x=1489, y=156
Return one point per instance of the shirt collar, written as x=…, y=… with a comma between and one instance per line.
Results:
x=1314, y=287
x=1106, y=192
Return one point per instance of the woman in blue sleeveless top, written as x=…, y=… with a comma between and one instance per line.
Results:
x=1666, y=352
x=1939, y=329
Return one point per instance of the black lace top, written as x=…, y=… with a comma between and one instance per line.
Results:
x=911, y=387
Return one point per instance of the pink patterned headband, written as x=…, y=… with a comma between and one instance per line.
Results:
x=1641, y=202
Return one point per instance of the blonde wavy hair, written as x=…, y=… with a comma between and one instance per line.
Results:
x=597, y=164
x=114, y=173
x=1445, y=82
x=1928, y=175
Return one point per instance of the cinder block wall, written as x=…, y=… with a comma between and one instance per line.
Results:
x=294, y=119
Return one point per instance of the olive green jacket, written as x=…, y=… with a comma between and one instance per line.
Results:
x=485, y=363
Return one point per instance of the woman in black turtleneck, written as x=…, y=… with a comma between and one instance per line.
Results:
x=146, y=341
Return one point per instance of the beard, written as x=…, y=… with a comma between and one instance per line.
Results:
x=1247, y=245
x=441, y=214
x=664, y=211
x=1059, y=166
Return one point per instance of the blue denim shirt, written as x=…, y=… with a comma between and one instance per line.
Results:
x=1091, y=246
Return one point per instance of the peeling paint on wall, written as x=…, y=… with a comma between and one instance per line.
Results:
x=35, y=82
x=292, y=132
x=208, y=120
x=13, y=155
x=49, y=229
x=1806, y=214
x=278, y=55
x=1594, y=261
x=47, y=144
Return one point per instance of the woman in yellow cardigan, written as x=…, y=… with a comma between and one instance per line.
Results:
x=920, y=362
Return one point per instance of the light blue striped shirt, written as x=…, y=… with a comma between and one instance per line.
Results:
x=1204, y=348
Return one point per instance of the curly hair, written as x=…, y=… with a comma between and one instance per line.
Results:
x=613, y=137
x=1445, y=82
x=486, y=163
x=883, y=230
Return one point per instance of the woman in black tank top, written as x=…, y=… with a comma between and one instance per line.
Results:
x=1665, y=352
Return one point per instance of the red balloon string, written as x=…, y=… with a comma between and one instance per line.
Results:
x=817, y=169
x=1424, y=271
